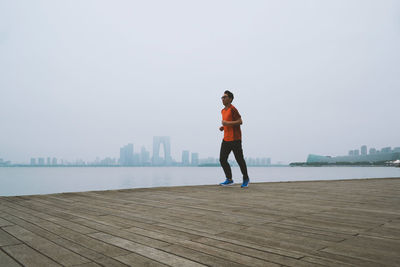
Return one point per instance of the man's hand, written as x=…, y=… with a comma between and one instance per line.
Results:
x=225, y=123
x=221, y=128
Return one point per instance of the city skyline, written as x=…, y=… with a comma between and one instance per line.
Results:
x=144, y=159
x=129, y=157
x=374, y=156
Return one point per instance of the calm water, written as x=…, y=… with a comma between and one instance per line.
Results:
x=27, y=181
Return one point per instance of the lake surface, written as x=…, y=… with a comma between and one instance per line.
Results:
x=37, y=180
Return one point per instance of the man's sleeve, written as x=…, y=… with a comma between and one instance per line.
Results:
x=235, y=114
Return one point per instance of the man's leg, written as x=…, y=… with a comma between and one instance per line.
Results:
x=223, y=159
x=238, y=152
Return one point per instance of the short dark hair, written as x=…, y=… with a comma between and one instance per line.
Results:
x=229, y=93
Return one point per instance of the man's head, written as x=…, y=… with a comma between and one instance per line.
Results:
x=227, y=98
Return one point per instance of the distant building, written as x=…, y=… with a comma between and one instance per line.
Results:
x=144, y=156
x=33, y=161
x=265, y=161
x=137, y=159
x=41, y=161
x=108, y=161
x=372, y=151
x=396, y=149
x=164, y=141
x=364, y=150
x=4, y=163
x=126, y=155
x=258, y=161
x=356, y=152
x=208, y=161
x=386, y=150
x=351, y=153
x=54, y=161
x=79, y=162
x=185, y=158
x=195, y=159
x=48, y=161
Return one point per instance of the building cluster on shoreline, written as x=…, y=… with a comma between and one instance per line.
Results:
x=354, y=156
x=128, y=157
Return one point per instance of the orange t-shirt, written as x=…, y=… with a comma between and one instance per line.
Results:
x=231, y=133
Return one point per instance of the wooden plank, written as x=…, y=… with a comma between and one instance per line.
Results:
x=294, y=239
x=53, y=216
x=271, y=242
x=325, y=224
x=110, y=262
x=255, y=253
x=75, y=247
x=383, y=231
x=309, y=230
x=379, y=243
x=323, y=262
x=130, y=235
x=145, y=251
x=29, y=226
x=29, y=257
x=73, y=236
x=226, y=254
x=134, y=259
x=6, y=239
x=90, y=264
x=263, y=247
x=46, y=247
x=4, y=222
x=7, y=261
x=273, y=230
x=200, y=257
x=377, y=255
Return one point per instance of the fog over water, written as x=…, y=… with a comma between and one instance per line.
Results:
x=80, y=79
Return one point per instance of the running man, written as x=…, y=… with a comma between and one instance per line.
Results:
x=231, y=121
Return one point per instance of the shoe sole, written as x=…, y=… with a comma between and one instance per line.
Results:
x=226, y=184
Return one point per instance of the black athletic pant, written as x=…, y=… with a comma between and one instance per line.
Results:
x=236, y=147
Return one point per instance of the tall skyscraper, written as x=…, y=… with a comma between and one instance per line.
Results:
x=41, y=161
x=185, y=158
x=195, y=159
x=33, y=161
x=126, y=155
x=364, y=150
x=166, y=143
x=48, y=161
x=54, y=161
x=144, y=156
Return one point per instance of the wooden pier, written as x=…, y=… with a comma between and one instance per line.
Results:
x=318, y=223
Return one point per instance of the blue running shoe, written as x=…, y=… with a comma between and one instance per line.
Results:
x=245, y=183
x=227, y=182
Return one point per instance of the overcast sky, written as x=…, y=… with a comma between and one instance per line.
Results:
x=80, y=79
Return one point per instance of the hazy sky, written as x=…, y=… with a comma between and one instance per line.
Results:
x=80, y=79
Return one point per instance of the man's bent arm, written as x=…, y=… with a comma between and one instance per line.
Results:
x=232, y=123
